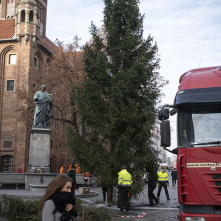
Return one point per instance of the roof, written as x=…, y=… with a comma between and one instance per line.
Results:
x=7, y=28
x=49, y=45
x=201, y=78
x=7, y=31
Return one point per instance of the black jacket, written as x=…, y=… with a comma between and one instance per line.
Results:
x=71, y=173
x=174, y=175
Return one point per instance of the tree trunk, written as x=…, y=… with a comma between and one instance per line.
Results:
x=109, y=195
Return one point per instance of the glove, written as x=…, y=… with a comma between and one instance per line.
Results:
x=119, y=186
x=117, y=190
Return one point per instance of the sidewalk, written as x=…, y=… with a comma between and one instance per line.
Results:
x=27, y=194
x=139, y=207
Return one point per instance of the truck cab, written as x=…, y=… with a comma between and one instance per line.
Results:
x=198, y=108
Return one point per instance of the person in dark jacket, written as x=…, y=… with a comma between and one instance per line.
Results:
x=174, y=177
x=72, y=174
x=104, y=190
x=152, y=184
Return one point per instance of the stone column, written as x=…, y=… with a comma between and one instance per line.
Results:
x=27, y=21
x=39, y=155
x=35, y=22
x=18, y=22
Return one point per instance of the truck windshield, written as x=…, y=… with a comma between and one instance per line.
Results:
x=199, y=125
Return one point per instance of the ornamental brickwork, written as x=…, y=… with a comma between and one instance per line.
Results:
x=24, y=52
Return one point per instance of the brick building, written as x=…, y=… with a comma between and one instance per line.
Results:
x=24, y=52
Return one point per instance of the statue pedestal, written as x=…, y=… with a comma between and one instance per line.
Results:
x=39, y=155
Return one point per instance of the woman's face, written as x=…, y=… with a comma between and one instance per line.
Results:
x=67, y=187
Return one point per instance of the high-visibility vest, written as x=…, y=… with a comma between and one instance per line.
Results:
x=69, y=167
x=62, y=170
x=124, y=179
x=162, y=177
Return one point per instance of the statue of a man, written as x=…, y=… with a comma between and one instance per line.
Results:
x=43, y=107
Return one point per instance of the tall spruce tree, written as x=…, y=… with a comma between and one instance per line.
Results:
x=117, y=101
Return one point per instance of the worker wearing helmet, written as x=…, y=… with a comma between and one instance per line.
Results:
x=163, y=182
x=124, y=185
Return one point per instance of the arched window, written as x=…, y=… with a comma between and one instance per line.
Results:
x=22, y=15
x=7, y=163
x=35, y=62
x=31, y=16
x=38, y=61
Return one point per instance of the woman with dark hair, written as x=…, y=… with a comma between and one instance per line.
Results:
x=58, y=201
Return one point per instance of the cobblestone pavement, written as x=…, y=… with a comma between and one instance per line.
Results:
x=3, y=219
x=166, y=210
x=140, y=210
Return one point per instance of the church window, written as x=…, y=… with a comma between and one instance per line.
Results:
x=6, y=163
x=10, y=85
x=36, y=62
x=7, y=143
x=22, y=15
x=12, y=59
x=31, y=16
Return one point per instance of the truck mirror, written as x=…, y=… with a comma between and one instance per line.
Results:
x=173, y=111
x=165, y=133
x=163, y=114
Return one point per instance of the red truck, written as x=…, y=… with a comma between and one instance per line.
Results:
x=198, y=108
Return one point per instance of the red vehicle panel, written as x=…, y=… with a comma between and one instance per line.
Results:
x=198, y=107
x=201, y=78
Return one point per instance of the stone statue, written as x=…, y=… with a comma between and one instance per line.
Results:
x=43, y=107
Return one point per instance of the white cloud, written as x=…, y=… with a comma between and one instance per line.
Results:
x=187, y=32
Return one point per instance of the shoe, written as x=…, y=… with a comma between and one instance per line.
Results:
x=156, y=202
x=168, y=198
x=151, y=204
x=121, y=210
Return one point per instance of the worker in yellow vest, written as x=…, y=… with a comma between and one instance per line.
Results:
x=163, y=182
x=124, y=186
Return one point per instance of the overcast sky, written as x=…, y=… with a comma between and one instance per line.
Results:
x=188, y=33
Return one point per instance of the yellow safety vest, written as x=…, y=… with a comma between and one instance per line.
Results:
x=162, y=177
x=124, y=179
